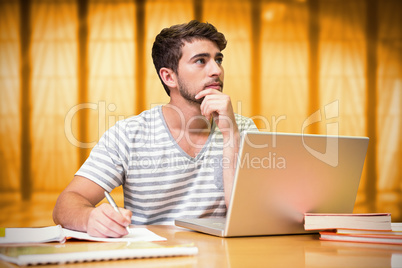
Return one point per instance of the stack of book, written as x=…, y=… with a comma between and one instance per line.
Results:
x=367, y=227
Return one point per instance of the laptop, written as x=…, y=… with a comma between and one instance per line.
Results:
x=281, y=176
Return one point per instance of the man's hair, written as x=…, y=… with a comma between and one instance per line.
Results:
x=167, y=48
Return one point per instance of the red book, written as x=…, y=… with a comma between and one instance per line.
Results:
x=384, y=237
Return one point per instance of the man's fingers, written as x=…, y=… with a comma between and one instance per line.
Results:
x=215, y=103
x=107, y=229
x=206, y=92
x=122, y=219
x=127, y=214
x=104, y=221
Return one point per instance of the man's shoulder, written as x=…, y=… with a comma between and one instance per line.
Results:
x=138, y=123
x=241, y=118
x=245, y=123
x=145, y=116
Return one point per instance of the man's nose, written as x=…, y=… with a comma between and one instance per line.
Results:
x=215, y=69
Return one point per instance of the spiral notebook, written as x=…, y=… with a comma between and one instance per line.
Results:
x=85, y=252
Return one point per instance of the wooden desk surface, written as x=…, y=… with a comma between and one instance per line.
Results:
x=267, y=251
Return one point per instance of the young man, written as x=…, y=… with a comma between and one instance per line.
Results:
x=176, y=160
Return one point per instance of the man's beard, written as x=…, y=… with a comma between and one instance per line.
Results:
x=185, y=93
x=190, y=97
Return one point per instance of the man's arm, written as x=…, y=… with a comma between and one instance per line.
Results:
x=75, y=209
x=219, y=106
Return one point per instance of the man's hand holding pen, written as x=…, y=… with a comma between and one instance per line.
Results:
x=105, y=221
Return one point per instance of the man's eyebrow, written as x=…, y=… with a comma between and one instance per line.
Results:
x=203, y=55
x=219, y=54
x=200, y=55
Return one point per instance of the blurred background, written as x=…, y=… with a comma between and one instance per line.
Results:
x=70, y=69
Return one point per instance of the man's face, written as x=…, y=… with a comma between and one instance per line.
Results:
x=200, y=67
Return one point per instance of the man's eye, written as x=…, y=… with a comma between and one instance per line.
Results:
x=219, y=61
x=200, y=61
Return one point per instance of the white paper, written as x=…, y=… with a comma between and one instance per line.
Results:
x=136, y=234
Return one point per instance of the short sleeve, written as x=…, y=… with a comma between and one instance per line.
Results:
x=108, y=160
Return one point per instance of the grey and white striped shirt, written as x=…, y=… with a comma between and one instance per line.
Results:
x=160, y=181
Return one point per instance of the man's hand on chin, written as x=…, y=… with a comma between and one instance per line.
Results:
x=219, y=106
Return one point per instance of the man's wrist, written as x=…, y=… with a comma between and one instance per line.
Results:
x=231, y=139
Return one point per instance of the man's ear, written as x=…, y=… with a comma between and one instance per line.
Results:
x=168, y=77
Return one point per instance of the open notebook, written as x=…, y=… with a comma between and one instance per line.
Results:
x=58, y=234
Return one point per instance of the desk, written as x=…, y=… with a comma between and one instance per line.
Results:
x=267, y=251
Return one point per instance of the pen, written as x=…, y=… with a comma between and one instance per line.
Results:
x=113, y=204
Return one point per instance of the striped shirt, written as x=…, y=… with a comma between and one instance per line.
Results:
x=160, y=181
